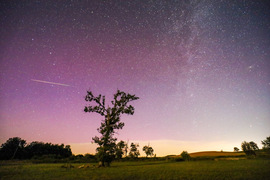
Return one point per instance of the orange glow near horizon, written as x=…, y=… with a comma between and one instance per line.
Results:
x=165, y=147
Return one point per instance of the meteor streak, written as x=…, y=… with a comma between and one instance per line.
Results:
x=47, y=82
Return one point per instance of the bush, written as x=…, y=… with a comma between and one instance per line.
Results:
x=179, y=159
x=185, y=156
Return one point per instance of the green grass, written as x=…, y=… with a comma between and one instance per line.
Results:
x=241, y=169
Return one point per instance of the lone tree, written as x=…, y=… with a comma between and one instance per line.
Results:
x=266, y=143
x=134, y=152
x=119, y=149
x=111, y=122
x=185, y=156
x=236, y=149
x=148, y=150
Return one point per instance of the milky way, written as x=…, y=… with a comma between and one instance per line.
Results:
x=200, y=68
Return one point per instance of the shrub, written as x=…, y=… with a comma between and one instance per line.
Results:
x=185, y=156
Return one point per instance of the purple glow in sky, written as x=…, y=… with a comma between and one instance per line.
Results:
x=200, y=68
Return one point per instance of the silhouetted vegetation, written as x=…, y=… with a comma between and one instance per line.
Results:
x=134, y=152
x=119, y=149
x=17, y=148
x=266, y=143
x=13, y=148
x=185, y=156
x=236, y=149
x=79, y=158
x=111, y=122
x=149, y=151
x=254, y=146
x=249, y=148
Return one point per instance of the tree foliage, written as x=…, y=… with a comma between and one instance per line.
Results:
x=235, y=149
x=149, y=151
x=253, y=146
x=13, y=148
x=134, y=152
x=36, y=149
x=120, y=149
x=17, y=148
x=185, y=156
x=111, y=122
x=266, y=143
x=249, y=148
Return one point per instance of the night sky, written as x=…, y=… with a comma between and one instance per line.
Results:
x=200, y=68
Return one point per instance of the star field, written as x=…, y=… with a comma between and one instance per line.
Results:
x=200, y=68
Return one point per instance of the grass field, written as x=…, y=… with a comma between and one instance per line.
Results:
x=240, y=169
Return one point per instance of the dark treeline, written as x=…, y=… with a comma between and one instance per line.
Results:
x=17, y=148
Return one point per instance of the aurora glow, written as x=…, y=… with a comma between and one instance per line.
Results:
x=200, y=68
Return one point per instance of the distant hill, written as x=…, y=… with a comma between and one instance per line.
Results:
x=216, y=154
x=207, y=155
